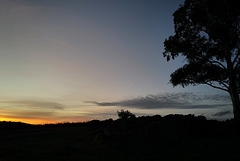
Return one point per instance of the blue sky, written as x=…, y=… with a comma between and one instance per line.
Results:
x=61, y=60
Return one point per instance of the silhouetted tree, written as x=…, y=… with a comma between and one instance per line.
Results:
x=207, y=33
x=125, y=114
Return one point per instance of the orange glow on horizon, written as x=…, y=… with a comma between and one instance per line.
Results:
x=35, y=121
x=28, y=121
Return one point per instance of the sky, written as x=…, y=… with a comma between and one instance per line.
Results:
x=78, y=60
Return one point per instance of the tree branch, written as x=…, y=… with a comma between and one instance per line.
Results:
x=224, y=84
x=235, y=59
x=219, y=64
x=237, y=65
x=210, y=84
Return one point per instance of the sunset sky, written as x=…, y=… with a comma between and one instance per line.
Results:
x=78, y=60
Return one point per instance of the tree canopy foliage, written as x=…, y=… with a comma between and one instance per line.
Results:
x=207, y=33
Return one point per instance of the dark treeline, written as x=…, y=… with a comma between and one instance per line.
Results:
x=178, y=125
x=185, y=124
x=145, y=138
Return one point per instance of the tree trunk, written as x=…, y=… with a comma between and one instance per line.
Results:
x=233, y=87
x=236, y=104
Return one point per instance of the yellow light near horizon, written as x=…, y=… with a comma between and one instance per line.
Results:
x=38, y=121
x=29, y=121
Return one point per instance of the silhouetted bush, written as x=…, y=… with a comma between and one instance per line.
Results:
x=125, y=114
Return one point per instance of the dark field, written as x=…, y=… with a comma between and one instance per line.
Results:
x=156, y=138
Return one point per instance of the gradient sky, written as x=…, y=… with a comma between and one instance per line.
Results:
x=77, y=60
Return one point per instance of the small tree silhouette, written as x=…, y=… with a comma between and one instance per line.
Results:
x=125, y=114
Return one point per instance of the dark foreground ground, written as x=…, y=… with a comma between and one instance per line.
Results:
x=156, y=138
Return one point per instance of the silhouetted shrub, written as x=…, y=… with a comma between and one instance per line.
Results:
x=125, y=114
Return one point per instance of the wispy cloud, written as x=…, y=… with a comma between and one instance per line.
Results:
x=31, y=109
x=17, y=9
x=41, y=104
x=36, y=114
x=171, y=101
x=222, y=113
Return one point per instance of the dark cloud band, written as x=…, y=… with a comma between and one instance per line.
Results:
x=222, y=113
x=171, y=101
x=36, y=104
